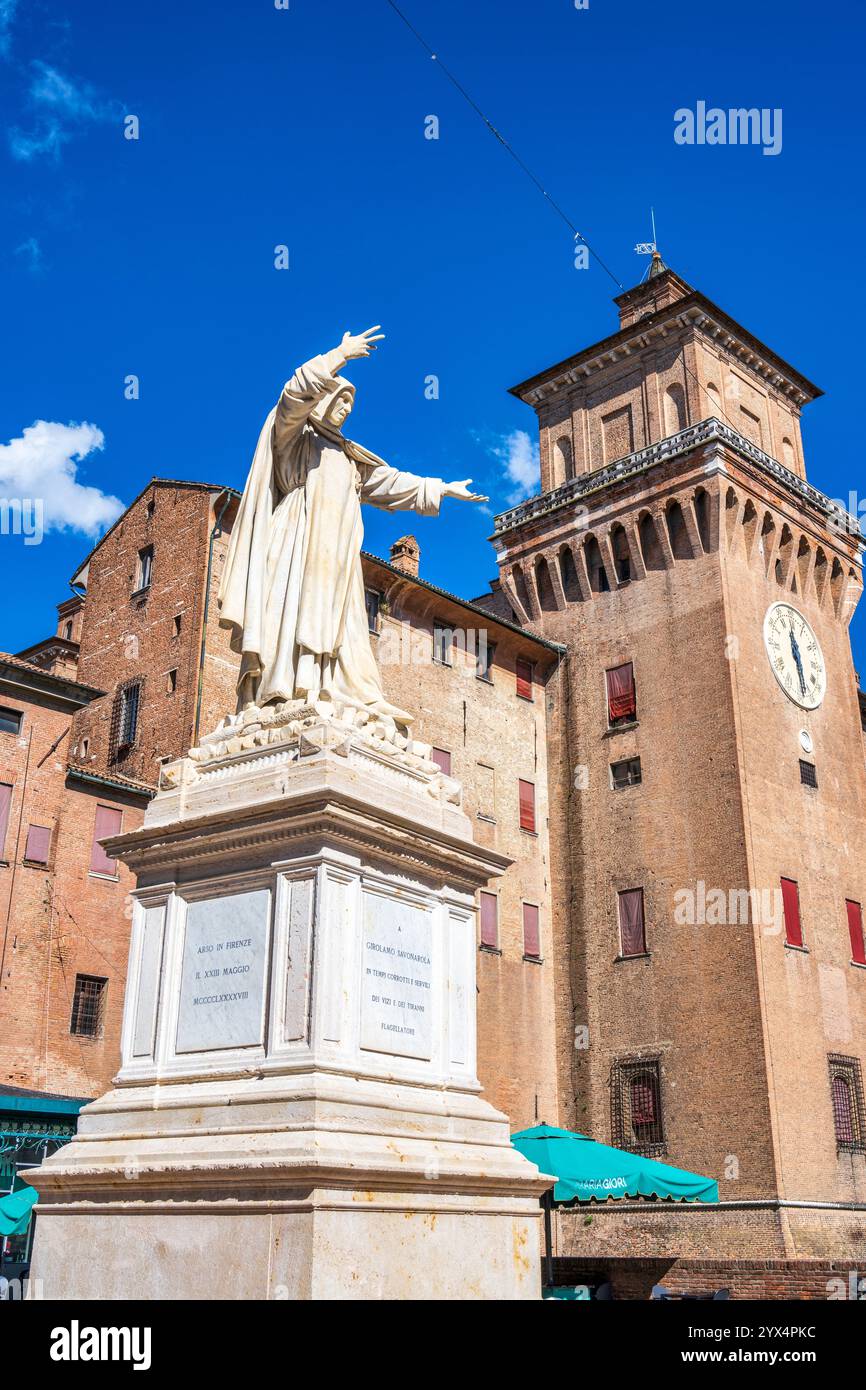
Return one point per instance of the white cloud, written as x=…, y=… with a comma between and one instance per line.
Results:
x=31, y=253
x=43, y=464
x=7, y=18
x=62, y=106
x=520, y=456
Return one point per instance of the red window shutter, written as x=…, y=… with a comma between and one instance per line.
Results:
x=855, y=928
x=527, y=805
x=38, y=844
x=531, y=932
x=632, y=929
x=108, y=821
x=621, y=695
x=791, y=904
x=442, y=759
x=489, y=919
x=643, y=1102
x=5, y=804
x=524, y=679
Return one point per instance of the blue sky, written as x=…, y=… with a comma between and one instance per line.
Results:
x=305, y=127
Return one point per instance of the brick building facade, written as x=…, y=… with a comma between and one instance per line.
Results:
x=672, y=962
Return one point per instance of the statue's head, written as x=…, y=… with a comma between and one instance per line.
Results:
x=336, y=408
x=340, y=408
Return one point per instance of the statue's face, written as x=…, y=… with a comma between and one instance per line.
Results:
x=341, y=409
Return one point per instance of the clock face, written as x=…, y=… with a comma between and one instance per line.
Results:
x=795, y=655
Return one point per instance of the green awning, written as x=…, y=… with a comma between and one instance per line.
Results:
x=586, y=1170
x=15, y=1211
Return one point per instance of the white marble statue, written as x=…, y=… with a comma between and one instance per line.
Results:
x=292, y=591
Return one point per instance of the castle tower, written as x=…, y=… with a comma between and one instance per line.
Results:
x=709, y=756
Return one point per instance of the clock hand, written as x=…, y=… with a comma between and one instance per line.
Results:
x=795, y=650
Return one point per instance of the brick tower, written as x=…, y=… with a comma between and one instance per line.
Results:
x=707, y=760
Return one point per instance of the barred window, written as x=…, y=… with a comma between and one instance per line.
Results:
x=846, y=1091
x=808, y=773
x=124, y=719
x=88, y=1006
x=636, y=1106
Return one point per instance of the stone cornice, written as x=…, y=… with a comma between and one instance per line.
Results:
x=352, y=824
x=685, y=442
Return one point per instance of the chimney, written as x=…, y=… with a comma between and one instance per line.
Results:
x=406, y=555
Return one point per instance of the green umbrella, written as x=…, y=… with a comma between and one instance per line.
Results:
x=587, y=1171
x=15, y=1211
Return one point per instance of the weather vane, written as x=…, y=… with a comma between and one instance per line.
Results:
x=648, y=248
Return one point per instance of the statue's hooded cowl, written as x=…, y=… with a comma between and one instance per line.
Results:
x=292, y=590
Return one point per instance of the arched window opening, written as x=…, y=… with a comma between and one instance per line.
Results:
x=651, y=551
x=598, y=577
x=677, y=534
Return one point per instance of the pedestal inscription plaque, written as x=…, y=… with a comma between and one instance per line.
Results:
x=397, y=977
x=222, y=987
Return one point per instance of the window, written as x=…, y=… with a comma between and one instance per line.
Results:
x=808, y=774
x=531, y=932
x=373, y=600
x=791, y=906
x=151, y=508
x=108, y=822
x=621, y=694
x=489, y=909
x=10, y=721
x=524, y=679
x=526, y=792
x=632, y=927
x=854, y=910
x=846, y=1092
x=625, y=774
x=88, y=1005
x=177, y=622
x=442, y=759
x=443, y=639
x=636, y=1108
x=5, y=806
x=171, y=682
x=67, y=631
x=145, y=569
x=38, y=844
x=124, y=718
x=484, y=659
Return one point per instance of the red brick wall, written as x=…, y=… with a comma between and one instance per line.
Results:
x=633, y=1279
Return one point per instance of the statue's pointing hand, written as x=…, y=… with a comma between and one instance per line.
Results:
x=361, y=344
x=461, y=490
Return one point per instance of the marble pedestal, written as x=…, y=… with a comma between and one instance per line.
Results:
x=297, y=1113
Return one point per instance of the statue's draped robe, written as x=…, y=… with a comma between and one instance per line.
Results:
x=292, y=591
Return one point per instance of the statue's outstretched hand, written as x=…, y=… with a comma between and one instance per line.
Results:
x=361, y=344
x=461, y=490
